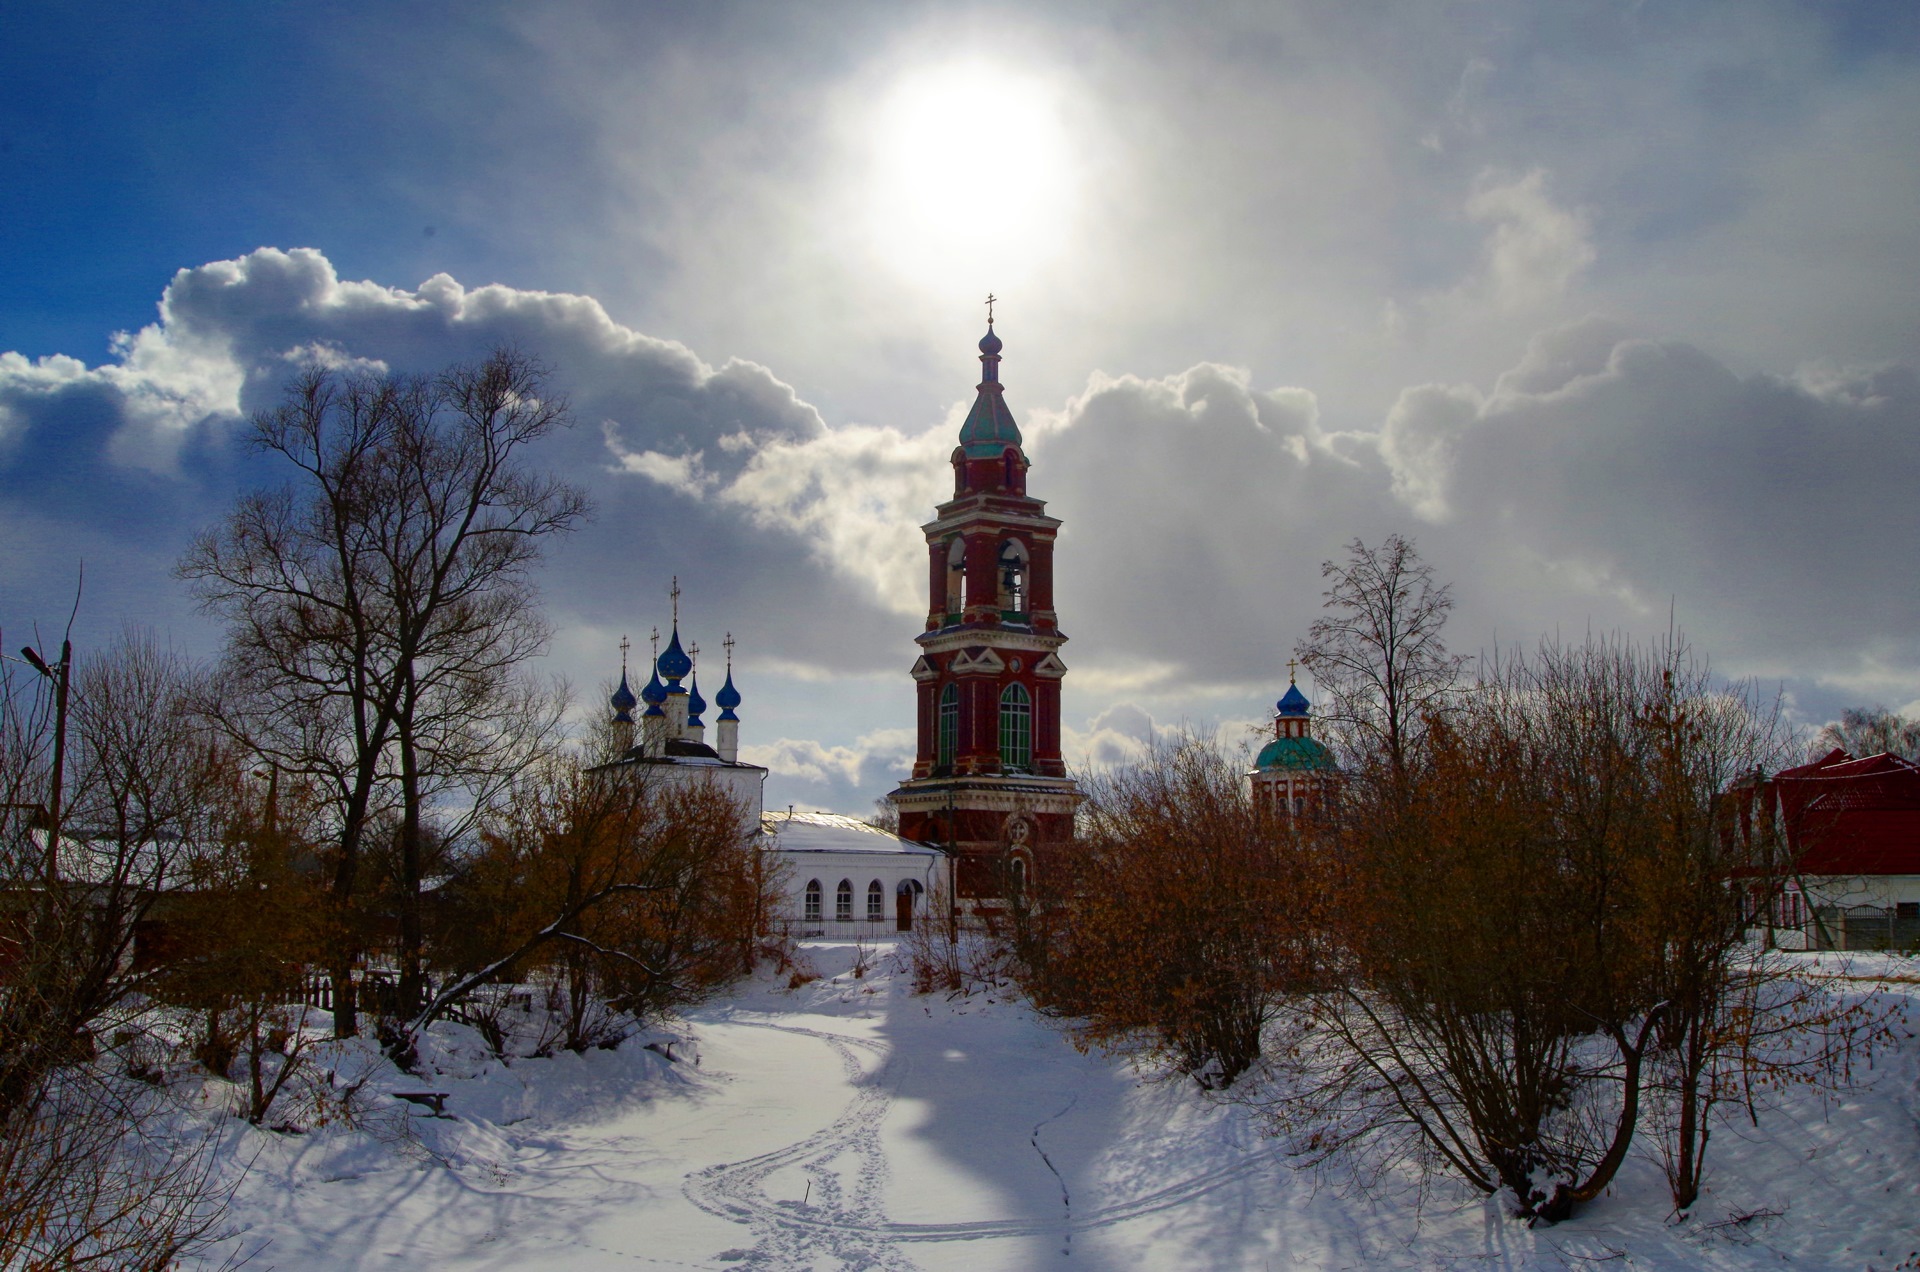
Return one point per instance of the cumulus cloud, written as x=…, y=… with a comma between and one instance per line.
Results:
x=852, y=494
x=1122, y=734
x=1418, y=441
x=146, y=444
x=1600, y=479
x=841, y=778
x=1535, y=248
x=1608, y=480
x=228, y=330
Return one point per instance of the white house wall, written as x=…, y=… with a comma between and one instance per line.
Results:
x=859, y=869
x=1858, y=912
x=1847, y=891
x=745, y=783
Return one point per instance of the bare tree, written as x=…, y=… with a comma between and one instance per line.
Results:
x=139, y=774
x=1862, y=731
x=88, y=1176
x=1377, y=653
x=380, y=606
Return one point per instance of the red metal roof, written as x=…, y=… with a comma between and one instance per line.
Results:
x=1847, y=816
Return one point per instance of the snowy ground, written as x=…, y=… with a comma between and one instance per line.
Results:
x=850, y=1124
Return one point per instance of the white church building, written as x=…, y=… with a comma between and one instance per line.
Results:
x=847, y=877
x=840, y=876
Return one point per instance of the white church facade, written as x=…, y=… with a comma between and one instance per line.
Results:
x=839, y=876
x=846, y=877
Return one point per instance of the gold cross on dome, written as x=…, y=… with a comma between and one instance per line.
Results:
x=991, y=298
x=728, y=644
x=674, y=592
x=1291, y=664
x=625, y=645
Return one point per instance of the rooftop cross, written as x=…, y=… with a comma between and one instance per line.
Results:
x=656, y=644
x=674, y=592
x=727, y=644
x=1291, y=664
x=991, y=298
x=624, y=646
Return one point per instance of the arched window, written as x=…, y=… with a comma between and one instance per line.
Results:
x=812, y=910
x=1018, y=875
x=1013, y=577
x=876, y=902
x=947, y=740
x=843, y=901
x=956, y=577
x=1016, y=728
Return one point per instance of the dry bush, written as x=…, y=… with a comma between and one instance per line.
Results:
x=88, y=1179
x=246, y=927
x=936, y=958
x=633, y=895
x=1542, y=913
x=1193, y=915
x=961, y=954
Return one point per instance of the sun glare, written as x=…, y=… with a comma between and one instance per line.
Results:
x=972, y=174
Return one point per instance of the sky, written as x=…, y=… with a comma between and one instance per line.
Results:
x=1609, y=306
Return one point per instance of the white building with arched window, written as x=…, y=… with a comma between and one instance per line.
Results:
x=845, y=877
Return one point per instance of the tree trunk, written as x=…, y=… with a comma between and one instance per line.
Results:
x=412, y=940
x=346, y=873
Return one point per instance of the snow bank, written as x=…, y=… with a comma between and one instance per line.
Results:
x=848, y=1123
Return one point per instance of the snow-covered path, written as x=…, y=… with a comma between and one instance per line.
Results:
x=849, y=1124
x=846, y=1172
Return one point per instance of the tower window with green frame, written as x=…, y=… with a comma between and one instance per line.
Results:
x=947, y=737
x=1016, y=728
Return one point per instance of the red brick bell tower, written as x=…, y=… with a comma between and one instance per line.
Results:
x=988, y=780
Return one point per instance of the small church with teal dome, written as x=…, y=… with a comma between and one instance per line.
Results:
x=1295, y=773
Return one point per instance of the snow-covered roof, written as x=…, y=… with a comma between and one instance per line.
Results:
x=99, y=862
x=680, y=753
x=835, y=832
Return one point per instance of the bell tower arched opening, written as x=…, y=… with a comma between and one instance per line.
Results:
x=956, y=578
x=1013, y=580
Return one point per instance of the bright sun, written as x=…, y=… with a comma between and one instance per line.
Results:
x=973, y=181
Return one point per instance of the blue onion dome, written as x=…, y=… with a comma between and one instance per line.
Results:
x=990, y=343
x=1294, y=754
x=655, y=693
x=696, y=705
x=674, y=663
x=1294, y=703
x=728, y=698
x=623, y=701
